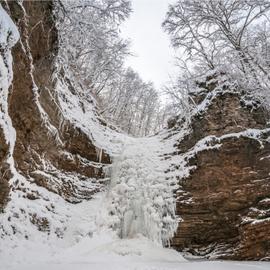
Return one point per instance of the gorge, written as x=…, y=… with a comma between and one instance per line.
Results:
x=73, y=183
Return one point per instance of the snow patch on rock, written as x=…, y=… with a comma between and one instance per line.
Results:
x=9, y=35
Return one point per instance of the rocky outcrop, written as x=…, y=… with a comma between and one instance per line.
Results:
x=224, y=199
x=51, y=150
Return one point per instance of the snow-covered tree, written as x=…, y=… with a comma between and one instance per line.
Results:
x=226, y=35
x=92, y=53
x=132, y=104
x=89, y=38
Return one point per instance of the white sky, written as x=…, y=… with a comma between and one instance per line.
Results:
x=153, y=58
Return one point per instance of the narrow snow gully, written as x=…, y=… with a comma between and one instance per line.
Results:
x=140, y=198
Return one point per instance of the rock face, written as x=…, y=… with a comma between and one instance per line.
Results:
x=50, y=151
x=224, y=201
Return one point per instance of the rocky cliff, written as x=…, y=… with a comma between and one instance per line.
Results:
x=224, y=193
x=59, y=144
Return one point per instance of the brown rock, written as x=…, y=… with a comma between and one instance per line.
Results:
x=217, y=200
x=49, y=150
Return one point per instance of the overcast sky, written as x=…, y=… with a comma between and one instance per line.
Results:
x=153, y=54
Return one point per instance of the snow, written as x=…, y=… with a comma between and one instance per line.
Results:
x=82, y=236
x=137, y=265
x=81, y=112
x=85, y=245
x=9, y=32
x=123, y=227
x=9, y=35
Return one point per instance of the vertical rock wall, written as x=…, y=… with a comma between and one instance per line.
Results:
x=224, y=201
x=50, y=151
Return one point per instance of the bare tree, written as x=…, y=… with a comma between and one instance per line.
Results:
x=132, y=104
x=91, y=47
x=92, y=53
x=229, y=35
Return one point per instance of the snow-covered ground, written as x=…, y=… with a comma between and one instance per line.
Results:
x=86, y=246
x=91, y=239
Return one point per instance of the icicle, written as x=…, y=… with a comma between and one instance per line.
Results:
x=100, y=155
x=99, y=152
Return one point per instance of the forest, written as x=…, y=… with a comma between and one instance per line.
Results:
x=104, y=168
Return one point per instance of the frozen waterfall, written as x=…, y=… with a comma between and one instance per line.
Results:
x=140, y=198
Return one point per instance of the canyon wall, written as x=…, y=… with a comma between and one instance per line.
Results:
x=224, y=199
x=53, y=148
x=52, y=141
